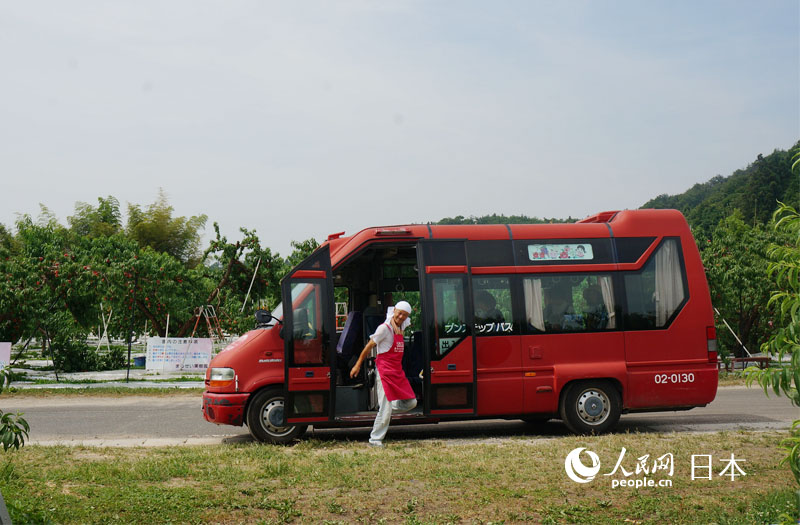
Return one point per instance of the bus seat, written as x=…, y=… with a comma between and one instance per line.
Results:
x=350, y=337
x=347, y=348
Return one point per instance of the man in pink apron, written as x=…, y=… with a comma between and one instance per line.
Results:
x=394, y=391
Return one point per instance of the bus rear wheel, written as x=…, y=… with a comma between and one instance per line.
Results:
x=265, y=418
x=591, y=407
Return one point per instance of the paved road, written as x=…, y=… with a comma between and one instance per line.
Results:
x=177, y=419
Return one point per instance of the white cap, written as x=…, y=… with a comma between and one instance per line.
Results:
x=404, y=306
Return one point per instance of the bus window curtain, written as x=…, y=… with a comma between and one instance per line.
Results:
x=669, y=284
x=608, y=300
x=533, y=303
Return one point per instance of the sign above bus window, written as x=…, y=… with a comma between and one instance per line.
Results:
x=560, y=252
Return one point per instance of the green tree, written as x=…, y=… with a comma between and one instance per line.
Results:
x=101, y=221
x=140, y=285
x=157, y=228
x=300, y=250
x=735, y=261
x=235, y=266
x=784, y=345
x=47, y=291
x=7, y=240
x=56, y=283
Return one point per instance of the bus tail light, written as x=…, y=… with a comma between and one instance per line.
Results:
x=711, y=343
x=221, y=377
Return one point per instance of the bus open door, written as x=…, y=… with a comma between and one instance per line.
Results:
x=309, y=346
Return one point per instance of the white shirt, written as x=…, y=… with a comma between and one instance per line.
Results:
x=383, y=338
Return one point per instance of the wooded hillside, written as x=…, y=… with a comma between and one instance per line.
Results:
x=754, y=191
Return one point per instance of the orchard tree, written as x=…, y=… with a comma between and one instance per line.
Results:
x=301, y=250
x=784, y=345
x=234, y=265
x=140, y=285
x=46, y=293
x=735, y=261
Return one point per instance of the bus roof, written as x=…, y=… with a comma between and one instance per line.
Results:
x=625, y=223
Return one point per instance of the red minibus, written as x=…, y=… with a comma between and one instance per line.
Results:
x=580, y=322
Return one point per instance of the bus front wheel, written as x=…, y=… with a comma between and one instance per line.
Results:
x=265, y=418
x=591, y=407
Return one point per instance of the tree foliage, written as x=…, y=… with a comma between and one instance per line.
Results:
x=300, y=250
x=784, y=345
x=101, y=221
x=735, y=261
x=235, y=265
x=57, y=282
x=155, y=227
x=14, y=428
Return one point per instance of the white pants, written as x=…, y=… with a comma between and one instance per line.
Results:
x=385, y=408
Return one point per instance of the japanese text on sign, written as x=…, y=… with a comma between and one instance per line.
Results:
x=455, y=328
x=178, y=354
x=494, y=328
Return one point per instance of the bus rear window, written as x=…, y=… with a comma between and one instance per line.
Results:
x=656, y=293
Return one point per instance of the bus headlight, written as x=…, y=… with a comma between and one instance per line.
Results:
x=221, y=377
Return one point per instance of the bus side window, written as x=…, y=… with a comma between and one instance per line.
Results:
x=597, y=300
x=569, y=303
x=559, y=308
x=450, y=326
x=656, y=293
x=492, y=299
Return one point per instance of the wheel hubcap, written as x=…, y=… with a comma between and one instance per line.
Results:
x=593, y=406
x=272, y=417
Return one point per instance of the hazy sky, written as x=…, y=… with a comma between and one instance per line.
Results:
x=299, y=119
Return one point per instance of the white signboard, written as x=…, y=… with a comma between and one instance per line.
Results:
x=178, y=354
x=5, y=354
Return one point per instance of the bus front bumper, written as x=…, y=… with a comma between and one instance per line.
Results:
x=224, y=409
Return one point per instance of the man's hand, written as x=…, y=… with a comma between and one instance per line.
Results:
x=364, y=353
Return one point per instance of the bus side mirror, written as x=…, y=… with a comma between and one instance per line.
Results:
x=265, y=317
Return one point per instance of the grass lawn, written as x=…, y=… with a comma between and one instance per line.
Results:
x=456, y=481
x=731, y=378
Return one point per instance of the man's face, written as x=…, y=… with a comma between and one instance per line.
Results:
x=399, y=317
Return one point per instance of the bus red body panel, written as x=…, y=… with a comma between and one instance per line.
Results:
x=500, y=376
